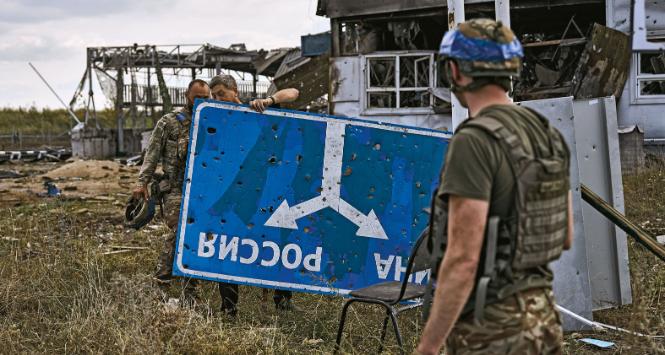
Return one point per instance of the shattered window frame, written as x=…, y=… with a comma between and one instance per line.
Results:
x=640, y=79
x=398, y=89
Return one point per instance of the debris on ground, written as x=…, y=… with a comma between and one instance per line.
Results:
x=91, y=169
x=598, y=343
x=10, y=174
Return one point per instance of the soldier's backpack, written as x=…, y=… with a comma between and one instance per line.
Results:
x=542, y=184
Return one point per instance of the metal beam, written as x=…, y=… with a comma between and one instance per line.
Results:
x=455, y=17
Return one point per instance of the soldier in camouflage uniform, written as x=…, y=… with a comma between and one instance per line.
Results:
x=225, y=88
x=168, y=146
x=506, y=161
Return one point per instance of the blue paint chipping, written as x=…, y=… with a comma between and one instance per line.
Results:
x=246, y=165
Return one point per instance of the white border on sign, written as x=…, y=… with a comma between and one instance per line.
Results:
x=190, y=170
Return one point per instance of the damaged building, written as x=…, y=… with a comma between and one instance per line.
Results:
x=384, y=63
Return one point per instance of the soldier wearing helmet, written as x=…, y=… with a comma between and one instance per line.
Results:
x=225, y=88
x=505, y=167
x=168, y=146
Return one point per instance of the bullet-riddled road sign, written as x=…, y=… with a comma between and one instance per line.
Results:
x=302, y=201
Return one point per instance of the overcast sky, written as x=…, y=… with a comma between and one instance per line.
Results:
x=53, y=34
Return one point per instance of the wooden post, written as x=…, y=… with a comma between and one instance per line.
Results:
x=622, y=222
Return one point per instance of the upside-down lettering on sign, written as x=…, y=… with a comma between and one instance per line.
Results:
x=302, y=201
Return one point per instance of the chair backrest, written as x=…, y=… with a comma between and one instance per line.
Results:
x=421, y=255
x=419, y=260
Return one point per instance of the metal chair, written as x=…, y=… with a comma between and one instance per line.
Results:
x=391, y=293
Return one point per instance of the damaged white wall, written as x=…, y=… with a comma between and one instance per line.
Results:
x=351, y=90
x=645, y=112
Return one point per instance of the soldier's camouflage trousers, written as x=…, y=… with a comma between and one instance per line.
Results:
x=526, y=323
x=165, y=264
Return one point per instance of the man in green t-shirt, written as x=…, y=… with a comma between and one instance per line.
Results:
x=506, y=161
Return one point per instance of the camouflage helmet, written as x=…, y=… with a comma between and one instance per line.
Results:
x=483, y=48
x=139, y=212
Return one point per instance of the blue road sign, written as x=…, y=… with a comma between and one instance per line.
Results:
x=302, y=201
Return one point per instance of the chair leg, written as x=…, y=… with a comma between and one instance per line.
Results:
x=398, y=335
x=342, y=320
x=383, y=330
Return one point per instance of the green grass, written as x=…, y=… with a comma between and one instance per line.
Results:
x=60, y=294
x=31, y=121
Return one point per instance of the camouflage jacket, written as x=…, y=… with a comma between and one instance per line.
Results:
x=168, y=145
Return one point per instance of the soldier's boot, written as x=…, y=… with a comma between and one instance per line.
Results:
x=283, y=301
x=229, y=295
x=164, y=275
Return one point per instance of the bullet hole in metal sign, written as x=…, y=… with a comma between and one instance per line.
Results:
x=299, y=158
x=186, y=246
x=215, y=158
x=306, y=229
x=223, y=221
x=272, y=160
x=319, y=189
x=372, y=189
x=239, y=182
x=348, y=171
x=419, y=184
x=263, y=210
x=186, y=266
x=209, y=236
x=190, y=220
x=308, y=177
x=212, y=130
x=370, y=196
x=274, y=128
x=594, y=147
x=222, y=152
x=240, y=167
x=421, y=195
x=271, y=209
x=377, y=146
x=250, y=225
x=203, y=164
x=324, y=199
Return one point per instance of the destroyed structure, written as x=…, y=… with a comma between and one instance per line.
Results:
x=133, y=78
x=578, y=54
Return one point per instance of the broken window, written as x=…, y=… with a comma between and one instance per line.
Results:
x=650, y=75
x=400, y=81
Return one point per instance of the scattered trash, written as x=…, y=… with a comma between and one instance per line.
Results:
x=135, y=160
x=598, y=343
x=9, y=239
x=598, y=326
x=51, y=189
x=10, y=174
x=70, y=188
x=661, y=239
x=82, y=211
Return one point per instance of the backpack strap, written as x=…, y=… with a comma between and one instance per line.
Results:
x=509, y=141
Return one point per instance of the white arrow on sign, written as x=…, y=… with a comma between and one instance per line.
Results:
x=285, y=216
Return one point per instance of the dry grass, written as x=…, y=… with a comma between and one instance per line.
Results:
x=59, y=294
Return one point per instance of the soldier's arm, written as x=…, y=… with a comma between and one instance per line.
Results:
x=152, y=155
x=568, y=243
x=281, y=96
x=466, y=228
